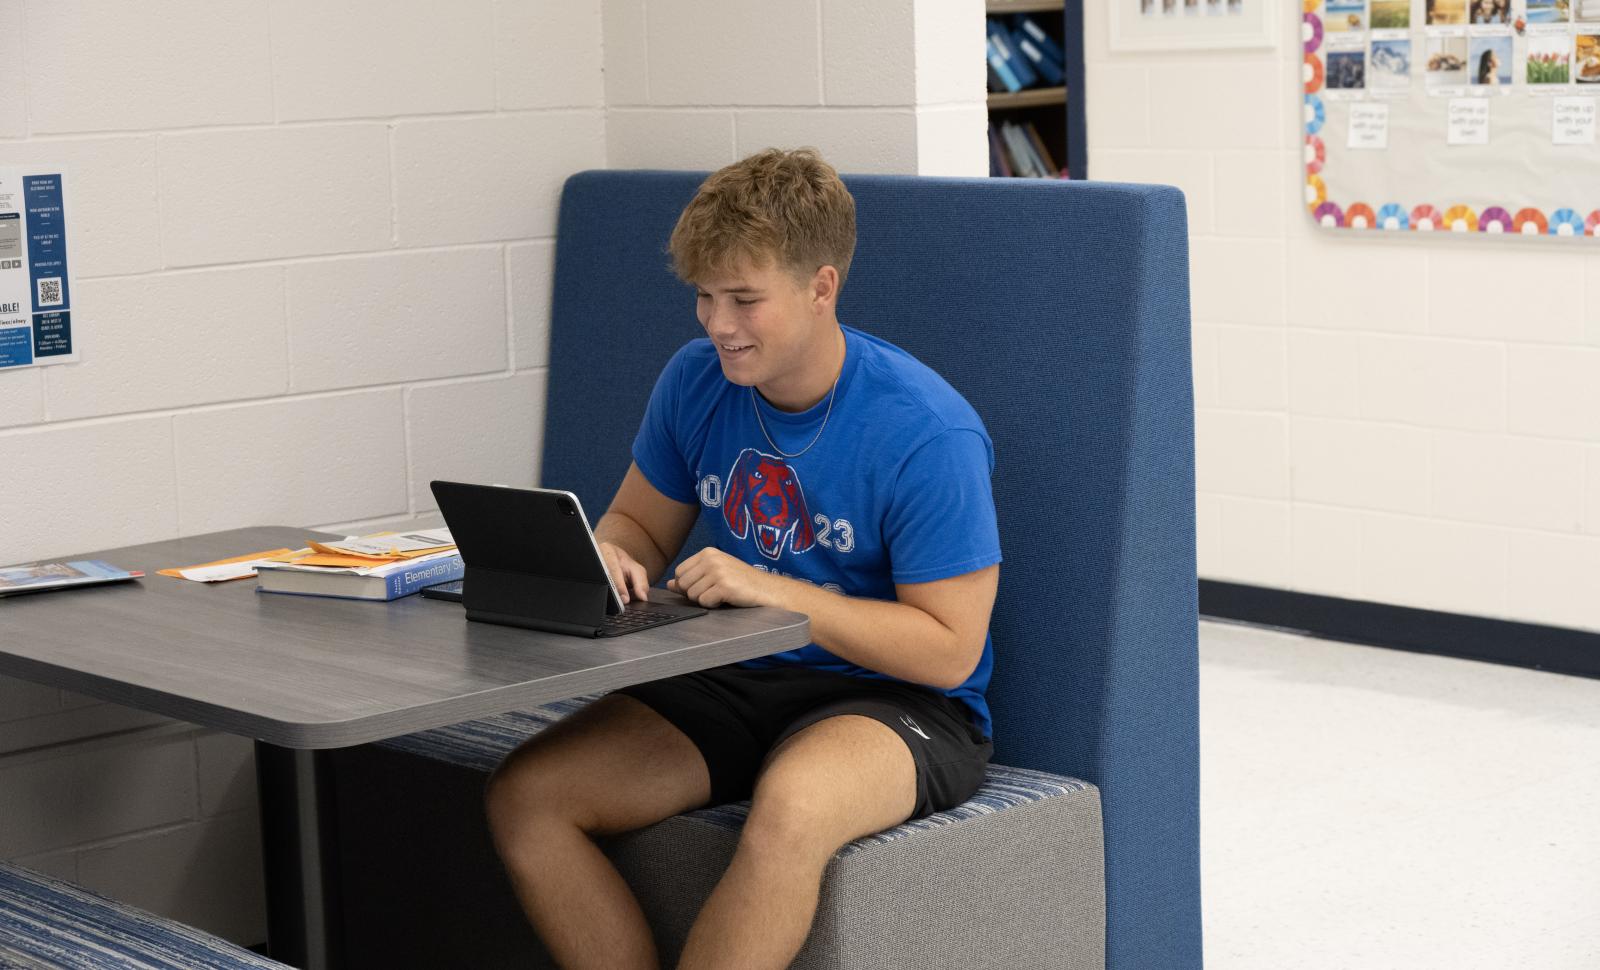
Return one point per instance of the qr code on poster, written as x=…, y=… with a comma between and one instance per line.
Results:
x=50, y=291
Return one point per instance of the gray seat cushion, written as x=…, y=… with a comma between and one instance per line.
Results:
x=1014, y=876
x=48, y=923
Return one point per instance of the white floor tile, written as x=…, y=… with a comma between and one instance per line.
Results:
x=1363, y=807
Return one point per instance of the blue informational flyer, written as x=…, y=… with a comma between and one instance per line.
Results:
x=40, y=576
x=35, y=274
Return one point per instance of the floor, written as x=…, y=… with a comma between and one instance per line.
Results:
x=1370, y=808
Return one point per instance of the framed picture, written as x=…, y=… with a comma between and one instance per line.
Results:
x=1168, y=25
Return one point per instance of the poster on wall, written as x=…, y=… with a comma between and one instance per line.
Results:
x=1463, y=116
x=1165, y=25
x=35, y=274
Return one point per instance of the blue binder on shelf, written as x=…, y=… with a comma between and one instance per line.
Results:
x=996, y=83
x=1001, y=69
x=1026, y=26
x=1000, y=40
x=1042, y=63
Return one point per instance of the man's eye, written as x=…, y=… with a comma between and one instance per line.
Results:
x=745, y=302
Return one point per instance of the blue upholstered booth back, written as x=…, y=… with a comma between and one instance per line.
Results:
x=1060, y=310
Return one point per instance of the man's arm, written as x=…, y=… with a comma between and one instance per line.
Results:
x=932, y=635
x=645, y=525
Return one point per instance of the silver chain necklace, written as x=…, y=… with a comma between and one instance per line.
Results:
x=827, y=414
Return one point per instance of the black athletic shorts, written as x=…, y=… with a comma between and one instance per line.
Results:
x=735, y=715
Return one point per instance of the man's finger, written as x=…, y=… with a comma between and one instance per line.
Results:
x=683, y=576
x=696, y=589
x=619, y=577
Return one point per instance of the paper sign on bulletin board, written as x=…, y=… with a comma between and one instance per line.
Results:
x=35, y=274
x=1466, y=116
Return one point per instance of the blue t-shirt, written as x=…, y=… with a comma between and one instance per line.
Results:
x=896, y=489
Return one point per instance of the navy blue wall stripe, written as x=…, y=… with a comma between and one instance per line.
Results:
x=1549, y=648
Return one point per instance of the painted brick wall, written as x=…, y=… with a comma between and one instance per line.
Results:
x=891, y=86
x=308, y=238
x=1373, y=421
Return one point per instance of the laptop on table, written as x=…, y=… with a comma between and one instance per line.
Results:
x=532, y=561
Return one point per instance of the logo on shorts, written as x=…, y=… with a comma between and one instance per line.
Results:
x=908, y=722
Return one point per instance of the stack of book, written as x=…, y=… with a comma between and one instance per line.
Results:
x=1023, y=55
x=1018, y=150
x=385, y=566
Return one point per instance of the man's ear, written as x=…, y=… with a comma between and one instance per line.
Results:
x=825, y=288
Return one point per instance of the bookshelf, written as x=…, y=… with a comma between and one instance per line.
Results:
x=1055, y=111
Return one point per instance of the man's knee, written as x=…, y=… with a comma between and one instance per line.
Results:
x=789, y=822
x=612, y=767
x=835, y=781
x=529, y=788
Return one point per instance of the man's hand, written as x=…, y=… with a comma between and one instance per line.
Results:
x=711, y=577
x=630, y=578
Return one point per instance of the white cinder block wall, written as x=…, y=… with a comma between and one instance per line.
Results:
x=308, y=239
x=1373, y=421
x=888, y=86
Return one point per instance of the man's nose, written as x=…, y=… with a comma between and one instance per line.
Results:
x=713, y=319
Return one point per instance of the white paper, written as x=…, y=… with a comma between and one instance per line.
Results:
x=1572, y=121
x=223, y=573
x=1469, y=121
x=1369, y=126
x=397, y=543
x=380, y=569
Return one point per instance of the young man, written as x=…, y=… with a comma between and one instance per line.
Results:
x=842, y=479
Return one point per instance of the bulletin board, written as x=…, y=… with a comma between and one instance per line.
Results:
x=1464, y=116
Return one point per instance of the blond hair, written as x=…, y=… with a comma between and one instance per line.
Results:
x=775, y=205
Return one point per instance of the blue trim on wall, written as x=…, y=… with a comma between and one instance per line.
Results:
x=1553, y=649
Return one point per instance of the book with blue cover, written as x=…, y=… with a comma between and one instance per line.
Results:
x=995, y=81
x=389, y=581
x=1000, y=42
x=1000, y=69
x=1026, y=26
x=1046, y=66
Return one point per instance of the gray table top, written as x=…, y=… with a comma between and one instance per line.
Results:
x=312, y=672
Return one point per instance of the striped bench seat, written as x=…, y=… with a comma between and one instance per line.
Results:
x=47, y=923
x=1021, y=860
x=484, y=743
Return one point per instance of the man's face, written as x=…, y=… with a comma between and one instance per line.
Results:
x=762, y=323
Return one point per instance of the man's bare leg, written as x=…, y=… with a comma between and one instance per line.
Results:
x=614, y=766
x=839, y=779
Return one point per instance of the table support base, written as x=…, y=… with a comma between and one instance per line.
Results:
x=300, y=854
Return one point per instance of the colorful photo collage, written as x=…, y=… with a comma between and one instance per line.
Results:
x=1192, y=8
x=1463, y=47
x=1377, y=48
